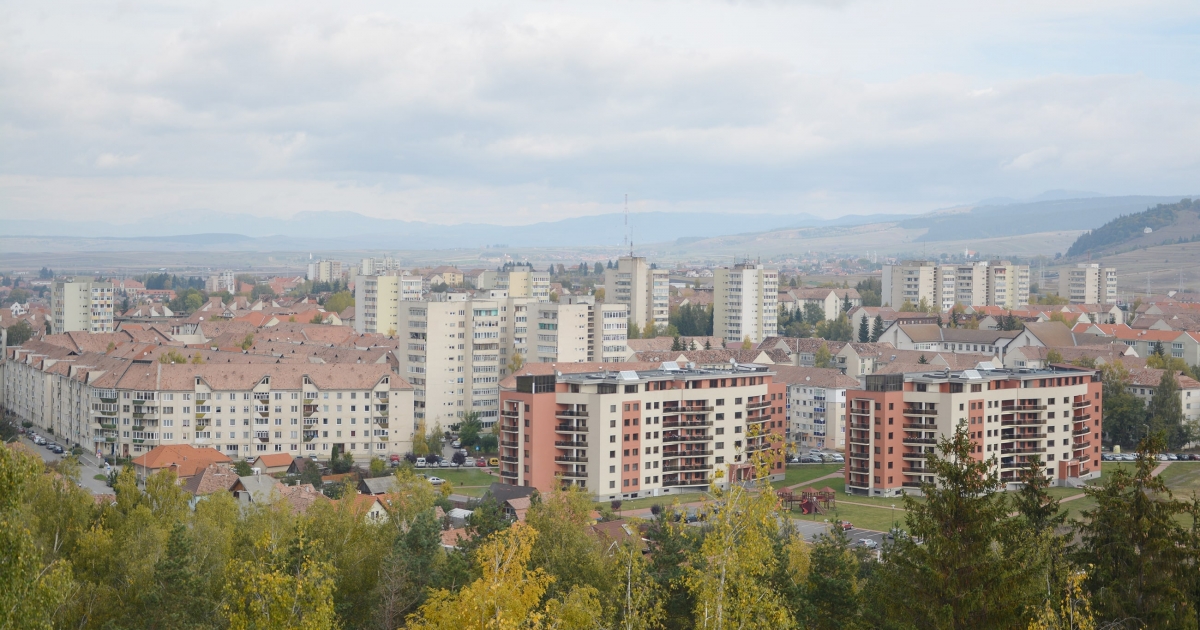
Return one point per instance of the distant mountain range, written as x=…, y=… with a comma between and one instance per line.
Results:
x=316, y=231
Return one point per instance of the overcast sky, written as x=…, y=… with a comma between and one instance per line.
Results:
x=513, y=112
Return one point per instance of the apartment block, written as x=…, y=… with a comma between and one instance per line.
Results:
x=324, y=271
x=123, y=408
x=377, y=303
x=629, y=434
x=458, y=347
x=982, y=283
x=895, y=421
x=643, y=288
x=816, y=406
x=81, y=305
x=1088, y=283
x=745, y=303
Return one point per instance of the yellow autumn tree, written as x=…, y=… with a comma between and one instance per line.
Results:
x=1074, y=612
x=505, y=597
x=264, y=592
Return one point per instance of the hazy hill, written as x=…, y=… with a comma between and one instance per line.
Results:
x=1169, y=223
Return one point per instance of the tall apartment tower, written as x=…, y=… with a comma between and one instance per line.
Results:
x=983, y=283
x=376, y=303
x=325, y=271
x=645, y=290
x=1088, y=283
x=746, y=302
x=81, y=304
x=456, y=349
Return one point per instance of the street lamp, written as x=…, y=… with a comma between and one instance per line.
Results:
x=893, y=516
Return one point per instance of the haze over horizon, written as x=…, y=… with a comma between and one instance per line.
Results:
x=521, y=112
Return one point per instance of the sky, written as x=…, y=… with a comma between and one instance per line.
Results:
x=517, y=112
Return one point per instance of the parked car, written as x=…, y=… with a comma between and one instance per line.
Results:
x=838, y=458
x=470, y=461
x=420, y=462
x=445, y=463
x=455, y=444
x=437, y=481
x=1172, y=457
x=481, y=463
x=808, y=459
x=847, y=526
x=494, y=461
x=868, y=543
x=1107, y=457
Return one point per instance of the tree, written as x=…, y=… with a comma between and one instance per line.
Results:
x=31, y=587
x=864, y=331
x=813, y=314
x=197, y=359
x=567, y=552
x=922, y=360
x=282, y=586
x=317, y=318
x=598, y=293
x=974, y=568
x=1141, y=560
x=180, y=597
x=377, y=467
x=458, y=459
x=649, y=331
x=469, y=428
x=676, y=346
x=409, y=570
x=877, y=328
x=1165, y=412
x=907, y=307
x=1124, y=413
x=19, y=333
x=247, y=342
x=823, y=357
x=746, y=343
x=1054, y=357
x=515, y=362
x=242, y=468
x=833, y=588
x=632, y=330
x=488, y=443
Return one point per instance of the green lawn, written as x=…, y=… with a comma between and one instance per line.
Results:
x=859, y=516
x=801, y=473
x=461, y=478
x=1183, y=478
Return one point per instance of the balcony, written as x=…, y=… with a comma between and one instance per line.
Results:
x=573, y=474
x=1022, y=450
x=382, y=425
x=701, y=481
x=309, y=410
x=509, y=443
x=510, y=413
x=508, y=458
x=508, y=474
x=693, y=453
x=1022, y=436
x=565, y=444
x=908, y=426
x=262, y=436
x=754, y=448
x=509, y=428
x=920, y=412
x=1083, y=431
x=757, y=405
x=911, y=484
x=567, y=414
x=568, y=428
x=566, y=459
x=914, y=440
x=686, y=438
x=915, y=455
x=1022, y=422
x=684, y=425
x=1078, y=445
x=908, y=470
x=1083, y=404
x=1013, y=408
x=684, y=467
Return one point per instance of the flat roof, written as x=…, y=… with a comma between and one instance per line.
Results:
x=666, y=373
x=976, y=375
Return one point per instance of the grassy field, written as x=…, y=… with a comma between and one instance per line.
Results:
x=462, y=478
x=801, y=473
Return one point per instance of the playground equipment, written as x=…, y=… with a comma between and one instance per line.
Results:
x=808, y=501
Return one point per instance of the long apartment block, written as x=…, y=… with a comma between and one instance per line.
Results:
x=123, y=408
x=457, y=347
x=895, y=421
x=629, y=434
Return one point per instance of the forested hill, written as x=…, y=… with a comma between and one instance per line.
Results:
x=1131, y=227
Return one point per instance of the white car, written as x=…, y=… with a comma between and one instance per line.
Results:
x=470, y=461
x=437, y=481
x=455, y=444
x=868, y=543
x=420, y=462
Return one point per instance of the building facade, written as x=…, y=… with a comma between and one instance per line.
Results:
x=816, y=406
x=81, y=305
x=1088, y=283
x=123, y=408
x=896, y=420
x=456, y=347
x=324, y=271
x=645, y=290
x=745, y=303
x=982, y=283
x=376, y=303
x=630, y=434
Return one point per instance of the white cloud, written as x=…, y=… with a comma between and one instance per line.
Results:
x=521, y=112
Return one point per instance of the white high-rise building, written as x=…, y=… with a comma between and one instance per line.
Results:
x=982, y=283
x=746, y=302
x=376, y=303
x=325, y=271
x=81, y=304
x=455, y=349
x=644, y=289
x=1088, y=283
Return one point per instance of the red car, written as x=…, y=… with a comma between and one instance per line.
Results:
x=481, y=462
x=847, y=526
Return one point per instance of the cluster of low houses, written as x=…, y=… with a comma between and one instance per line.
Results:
x=202, y=472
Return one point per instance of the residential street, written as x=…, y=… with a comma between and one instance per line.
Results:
x=89, y=466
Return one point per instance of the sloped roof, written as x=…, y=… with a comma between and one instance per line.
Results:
x=829, y=378
x=214, y=478
x=187, y=459
x=274, y=460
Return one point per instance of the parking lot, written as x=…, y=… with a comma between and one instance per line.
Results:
x=89, y=466
x=811, y=529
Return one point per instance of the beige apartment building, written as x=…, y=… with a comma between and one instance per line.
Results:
x=518, y=283
x=376, y=303
x=81, y=305
x=895, y=421
x=816, y=406
x=644, y=289
x=983, y=283
x=324, y=271
x=745, y=303
x=1088, y=283
x=457, y=348
x=629, y=434
x=124, y=408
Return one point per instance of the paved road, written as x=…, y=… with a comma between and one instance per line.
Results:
x=89, y=466
x=811, y=529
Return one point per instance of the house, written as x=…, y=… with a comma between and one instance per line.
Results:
x=1055, y=334
x=1144, y=381
x=1037, y=357
x=184, y=459
x=302, y=496
x=513, y=500
x=272, y=463
x=888, y=315
x=615, y=534
x=831, y=301
x=931, y=337
x=378, y=486
x=801, y=351
x=259, y=489
x=300, y=464
x=214, y=478
x=371, y=507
